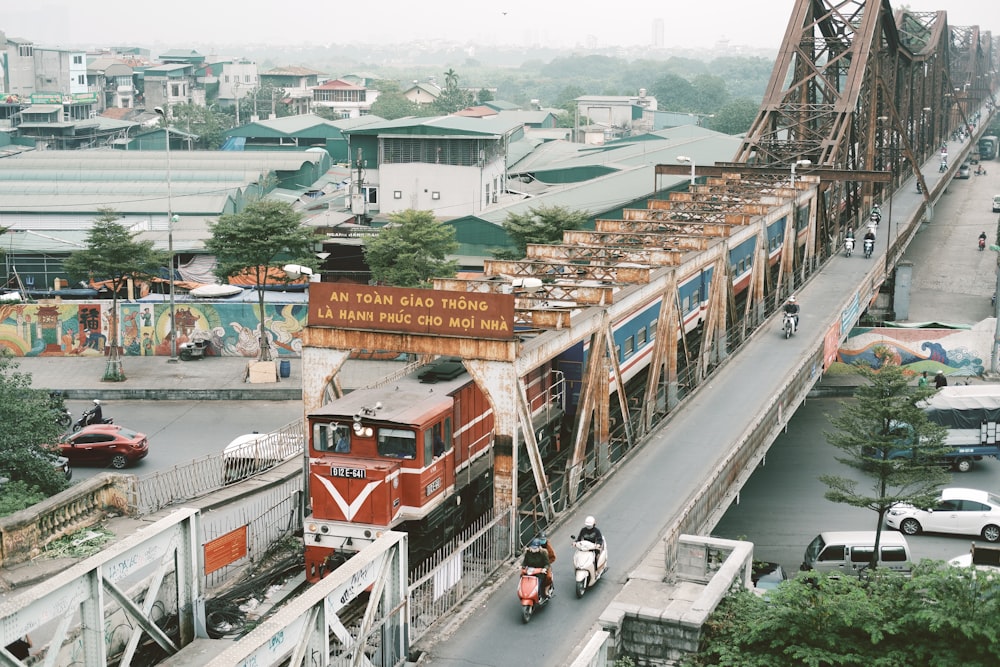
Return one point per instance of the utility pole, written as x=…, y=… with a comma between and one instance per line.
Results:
x=358, y=204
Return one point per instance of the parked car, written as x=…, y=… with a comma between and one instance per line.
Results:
x=964, y=170
x=104, y=443
x=957, y=511
x=766, y=576
x=850, y=552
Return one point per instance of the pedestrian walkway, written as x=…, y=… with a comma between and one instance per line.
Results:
x=156, y=378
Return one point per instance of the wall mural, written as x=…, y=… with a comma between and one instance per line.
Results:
x=956, y=352
x=83, y=328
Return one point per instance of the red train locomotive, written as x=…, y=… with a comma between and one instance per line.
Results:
x=413, y=455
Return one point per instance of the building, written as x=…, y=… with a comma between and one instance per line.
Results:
x=618, y=115
x=112, y=79
x=422, y=93
x=297, y=82
x=346, y=100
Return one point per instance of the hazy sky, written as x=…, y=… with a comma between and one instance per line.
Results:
x=180, y=23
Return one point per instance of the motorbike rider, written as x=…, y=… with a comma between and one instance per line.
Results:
x=792, y=308
x=536, y=555
x=982, y=240
x=591, y=533
x=876, y=214
x=96, y=414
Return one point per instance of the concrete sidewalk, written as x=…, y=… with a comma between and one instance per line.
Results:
x=155, y=378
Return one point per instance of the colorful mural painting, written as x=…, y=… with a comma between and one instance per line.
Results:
x=959, y=352
x=83, y=329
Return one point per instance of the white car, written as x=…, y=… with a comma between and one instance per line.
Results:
x=958, y=511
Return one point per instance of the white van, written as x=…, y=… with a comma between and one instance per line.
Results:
x=996, y=203
x=850, y=552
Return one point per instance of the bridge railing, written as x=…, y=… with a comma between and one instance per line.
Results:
x=155, y=491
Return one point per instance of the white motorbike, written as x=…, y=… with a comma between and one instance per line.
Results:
x=849, y=246
x=869, y=248
x=788, y=325
x=588, y=568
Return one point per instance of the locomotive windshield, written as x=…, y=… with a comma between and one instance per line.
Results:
x=397, y=444
x=332, y=438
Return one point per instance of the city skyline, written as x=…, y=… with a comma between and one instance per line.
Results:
x=60, y=23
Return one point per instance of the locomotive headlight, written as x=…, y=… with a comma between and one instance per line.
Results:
x=368, y=432
x=311, y=528
x=324, y=529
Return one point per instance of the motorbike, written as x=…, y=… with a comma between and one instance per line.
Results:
x=920, y=188
x=849, y=246
x=788, y=325
x=62, y=415
x=589, y=569
x=869, y=248
x=982, y=244
x=87, y=418
x=529, y=590
x=943, y=167
x=193, y=349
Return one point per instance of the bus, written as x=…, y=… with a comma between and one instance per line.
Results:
x=988, y=147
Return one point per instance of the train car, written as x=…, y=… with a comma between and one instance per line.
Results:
x=415, y=455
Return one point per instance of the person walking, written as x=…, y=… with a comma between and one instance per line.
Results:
x=940, y=380
x=922, y=382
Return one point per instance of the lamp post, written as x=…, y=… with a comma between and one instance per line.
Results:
x=994, y=362
x=684, y=159
x=799, y=163
x=171, y=219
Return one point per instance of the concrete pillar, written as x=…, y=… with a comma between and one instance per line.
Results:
x=901, y=293
x=497, y=380
x=319, y=368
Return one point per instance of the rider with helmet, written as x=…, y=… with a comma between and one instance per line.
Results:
x=792, y=308
x=591, y=533
x=96, y=414
x=876, y=214
x=537, y=556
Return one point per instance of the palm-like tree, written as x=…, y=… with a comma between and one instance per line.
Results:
x=451, y=79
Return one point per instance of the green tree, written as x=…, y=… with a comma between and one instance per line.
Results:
x=114, y=254
x=735, y=117
x=452, y=98
x=710, y=93
x=411, y=250
x=543, y=225
x=391, y=103
x=266, y=234
x=206, y=124
x=884, y=418
x=484, y=95
x=940, y=616
x=22, y=459
x=674, y=93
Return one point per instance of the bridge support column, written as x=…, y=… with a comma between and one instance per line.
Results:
x=901, y=293
x=320, y=366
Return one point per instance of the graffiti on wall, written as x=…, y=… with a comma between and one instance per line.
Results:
x=84, y=329
x=962, y=352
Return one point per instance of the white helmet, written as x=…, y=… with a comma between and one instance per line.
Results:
x=791, y=299
x=96, y=402
x=589, y=522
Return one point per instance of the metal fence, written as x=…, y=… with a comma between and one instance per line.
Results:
x=443, y=581
x=210, y=473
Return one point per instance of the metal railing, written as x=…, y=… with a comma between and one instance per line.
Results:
x=181, y=483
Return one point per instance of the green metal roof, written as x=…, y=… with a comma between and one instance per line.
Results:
x=441, y=126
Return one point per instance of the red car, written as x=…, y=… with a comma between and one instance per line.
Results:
x=104, y=443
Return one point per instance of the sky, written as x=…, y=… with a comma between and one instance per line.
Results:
x=559, y=23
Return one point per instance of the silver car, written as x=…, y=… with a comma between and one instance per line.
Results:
x=957, y=511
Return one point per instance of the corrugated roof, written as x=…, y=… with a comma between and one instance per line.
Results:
x=441, y=125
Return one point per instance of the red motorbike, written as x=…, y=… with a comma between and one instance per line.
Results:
x=531, y=591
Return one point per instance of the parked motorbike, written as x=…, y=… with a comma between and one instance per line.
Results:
x=530, y=590
x=87, y=418
x=788, y=325
x=849, y=246
x=588, y=568
x=193, y=349
x=869, y=248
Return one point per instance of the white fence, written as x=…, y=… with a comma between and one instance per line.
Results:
x=210, y=473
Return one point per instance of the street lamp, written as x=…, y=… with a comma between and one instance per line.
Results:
x=799, y=163
x=171, y=219
x=686, y=159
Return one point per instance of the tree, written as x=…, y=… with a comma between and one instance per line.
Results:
x=885, y=418
x=205, y=123
x=735, y=117
x=942, y=615
x=411, y=250
x=21, y=458
x=114, y=254
x=452, y=98
x=391, y=103
x=544, y=225
x=484, y=95
x=252, y=242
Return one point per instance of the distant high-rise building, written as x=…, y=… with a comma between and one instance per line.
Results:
x=658, y=33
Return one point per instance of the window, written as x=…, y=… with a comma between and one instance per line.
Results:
x=397, y=444
x=397, y=194
x=629, y=346
x=652, y=330
x=893, y=555
x=833, y=552
x=435, y=195
x=437, y=440
x=640, y=337
x=862, y=554
x=332, y=438
x=77, y=60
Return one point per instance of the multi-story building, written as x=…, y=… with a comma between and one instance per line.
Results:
x=237, y=78
x=297, y=82
x=347, y=100
x=112, y=80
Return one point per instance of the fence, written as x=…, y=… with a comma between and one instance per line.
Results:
x=242, y=459
x=442, y=582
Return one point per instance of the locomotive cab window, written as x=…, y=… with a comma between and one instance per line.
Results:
x=437, y=440
x=332, y=438
x=397, y=444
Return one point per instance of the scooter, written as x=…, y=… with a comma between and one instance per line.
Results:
x=62, y=415
x=869, y=248
x=982, y=244
x=849, y=246
x=193, y=349
x=788, y=325
x=87, y=418
x=529, y=590
x=589, y=572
